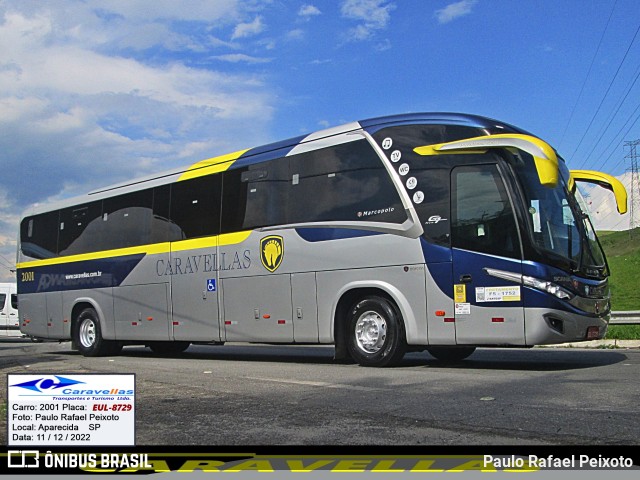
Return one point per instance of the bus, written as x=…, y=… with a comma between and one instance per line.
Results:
x=432, y=231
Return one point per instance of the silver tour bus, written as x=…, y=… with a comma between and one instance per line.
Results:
x=433, y=231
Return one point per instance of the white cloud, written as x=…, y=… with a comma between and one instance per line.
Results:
x=129, y=24
x=295, y=34
x=309, y=11
x=375, y=15
x=79, y=111
x=241, y=58
x=250, y=29
x=455, y=10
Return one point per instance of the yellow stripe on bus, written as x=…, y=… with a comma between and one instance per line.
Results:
x=211, y=165
x=152, y=249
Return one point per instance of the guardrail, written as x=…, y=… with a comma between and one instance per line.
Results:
x=625, y=318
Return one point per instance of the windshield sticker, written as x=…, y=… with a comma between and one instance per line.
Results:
x=412, y=183
x=497, y=294
x=387, y=143
x=396, y=156
x=534, y=210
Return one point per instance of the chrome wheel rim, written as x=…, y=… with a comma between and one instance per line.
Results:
x=371, y=332
x=87, y=333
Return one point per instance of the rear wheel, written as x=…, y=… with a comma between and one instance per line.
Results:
x=87, y=336
x=375, y=333
x=168, y=348
x=451, y=354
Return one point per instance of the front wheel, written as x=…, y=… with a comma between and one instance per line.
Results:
x=451, y=354
x=87, y=336
x=375, y=333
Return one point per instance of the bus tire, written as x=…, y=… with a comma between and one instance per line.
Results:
x=168, y=348
x=87, y=335
x=450, y=354
x=375, y=333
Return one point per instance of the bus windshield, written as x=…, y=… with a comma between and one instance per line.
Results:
x=559, y=225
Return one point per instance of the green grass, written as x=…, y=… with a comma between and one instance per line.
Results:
x=623, y=332
x=623, y=254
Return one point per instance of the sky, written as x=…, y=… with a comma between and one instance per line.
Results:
x=98, y=92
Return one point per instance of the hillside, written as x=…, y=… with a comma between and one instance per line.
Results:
x=623, y=254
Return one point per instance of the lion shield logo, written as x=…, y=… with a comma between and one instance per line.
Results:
x=271, y=252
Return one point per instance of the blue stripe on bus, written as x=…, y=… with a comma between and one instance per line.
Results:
x=100, y=273
x=434, y=253
x=438, y=261
x=325, y=234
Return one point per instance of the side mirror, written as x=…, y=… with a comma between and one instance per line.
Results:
x=603, y=180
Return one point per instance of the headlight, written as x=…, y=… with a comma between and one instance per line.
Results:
x=542, y=285
x=548, y=287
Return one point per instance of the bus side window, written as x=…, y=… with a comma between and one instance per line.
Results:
x=482, y=219
x=346, y=182
x=36, y=238
x=162, y=228
x=80, y=229
x=195, y=206
x=127, y=220
x=256, y=196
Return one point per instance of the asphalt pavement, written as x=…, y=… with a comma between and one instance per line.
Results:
x=297, y=395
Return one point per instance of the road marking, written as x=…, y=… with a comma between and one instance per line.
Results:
x=310, y=383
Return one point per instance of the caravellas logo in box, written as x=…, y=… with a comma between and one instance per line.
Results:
x=23, y=459
x=45, y=385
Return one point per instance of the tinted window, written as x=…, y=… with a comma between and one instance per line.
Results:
x=256, y=196
x=3, y=299
x=14, y=301
x=481, y=214
x=80, y=229
x=434, y=209
x=162, y=228
x=38, y=235
x=195, y=206
x=127, y=220
x=346, y=182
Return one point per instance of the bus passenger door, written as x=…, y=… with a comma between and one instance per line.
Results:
x=194, y=291
x=484, y=235
x=194, y=262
